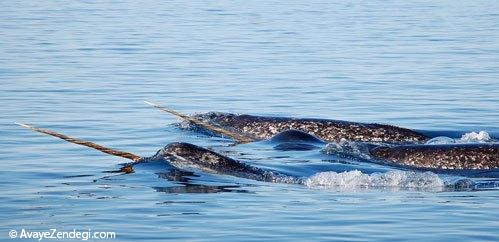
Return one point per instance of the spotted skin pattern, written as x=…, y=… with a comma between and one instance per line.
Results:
x=262, y=128
x=449, y=157
x=443, y=157
x=186, y=156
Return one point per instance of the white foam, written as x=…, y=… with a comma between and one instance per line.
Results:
x=480, y=137
x=391, y=179
x=472, y=137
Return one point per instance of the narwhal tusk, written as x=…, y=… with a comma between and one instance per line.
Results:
x=237, y=137
x=101, y=148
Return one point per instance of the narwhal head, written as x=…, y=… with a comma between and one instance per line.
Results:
x=185, y=155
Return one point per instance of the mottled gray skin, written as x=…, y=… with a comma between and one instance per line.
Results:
x=457, y=156
x=453, y=156
x=262, y=128
x=186, y=156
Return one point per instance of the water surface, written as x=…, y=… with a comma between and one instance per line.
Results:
x=83, y=68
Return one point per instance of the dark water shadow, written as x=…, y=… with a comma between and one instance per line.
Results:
x=187, y=185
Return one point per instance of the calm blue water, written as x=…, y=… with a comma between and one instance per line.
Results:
x=84, y=68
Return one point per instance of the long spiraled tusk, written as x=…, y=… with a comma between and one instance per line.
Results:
x=237, y=137
x=101, y=148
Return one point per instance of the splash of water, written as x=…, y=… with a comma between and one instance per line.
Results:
x=472, y=137
x=391, y=179
x=481, y=136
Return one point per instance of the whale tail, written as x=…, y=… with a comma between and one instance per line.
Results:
x=217, y=129
x=127, y=168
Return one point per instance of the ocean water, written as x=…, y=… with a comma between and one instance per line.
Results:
x=84, y=68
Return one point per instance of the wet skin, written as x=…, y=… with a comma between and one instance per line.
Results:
x=186, y=156
x=440, y=157
x=263, y=128
x=452, y=156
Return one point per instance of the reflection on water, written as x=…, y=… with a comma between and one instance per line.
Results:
x=84, y=68
x=177, y=175
x=184, y=179
x=198, y=188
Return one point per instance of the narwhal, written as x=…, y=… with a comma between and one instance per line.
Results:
x=185, y=156
x=472, y=156
x=247, y=128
